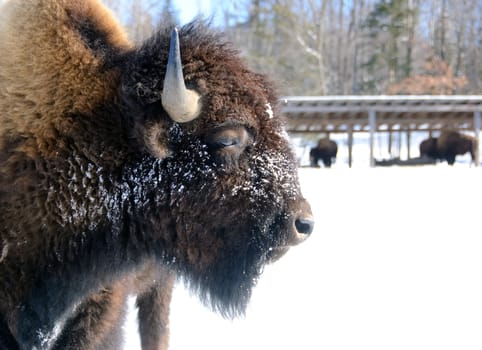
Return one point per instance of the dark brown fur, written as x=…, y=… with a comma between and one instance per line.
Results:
x=153, y=305
x=97, y=322
x=325, y=150
x=451, y=143
x=98, y=185
x=448, y=145
x=428, y=148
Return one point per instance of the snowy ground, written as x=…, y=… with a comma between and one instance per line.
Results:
x=395, y=262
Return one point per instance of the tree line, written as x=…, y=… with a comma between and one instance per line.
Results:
x=346, y=47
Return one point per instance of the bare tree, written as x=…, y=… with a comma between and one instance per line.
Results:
x=142, y=17
x=321, y=47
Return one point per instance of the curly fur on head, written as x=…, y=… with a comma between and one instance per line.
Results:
x=97, y=181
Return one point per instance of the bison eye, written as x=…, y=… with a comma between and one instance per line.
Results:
x=227, y=143
x=228, y=137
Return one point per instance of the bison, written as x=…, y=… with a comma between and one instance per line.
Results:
x=325, y=150
x=448, y=145
x=123, y=165
x=428, y=148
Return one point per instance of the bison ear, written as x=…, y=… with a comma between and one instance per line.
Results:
x=182, y=104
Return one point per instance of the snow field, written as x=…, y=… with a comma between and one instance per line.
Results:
x=395, y=262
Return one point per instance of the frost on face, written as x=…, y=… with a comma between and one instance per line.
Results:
x=191, y=167
x=46, y=338
x=272, y=178
x=4, y=252
x=264, y=178
x=284, y=135
x=195, y=170
x=269, y=110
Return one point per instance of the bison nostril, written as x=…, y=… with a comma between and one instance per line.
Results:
x=304, y=225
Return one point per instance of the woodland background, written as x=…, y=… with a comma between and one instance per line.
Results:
x=344, y=47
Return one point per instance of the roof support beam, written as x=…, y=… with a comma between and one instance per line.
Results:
x=372, y=122
x=477, y=125
x=350, y=145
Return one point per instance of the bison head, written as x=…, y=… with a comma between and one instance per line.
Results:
x=428, y=148
x=226, y=177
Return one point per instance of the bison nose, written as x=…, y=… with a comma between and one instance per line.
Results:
x=303, y=222
x=304, y=225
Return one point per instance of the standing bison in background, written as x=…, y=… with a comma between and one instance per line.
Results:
x=325, y=150
x=121, y=166
x=448, y=145
x=428, y=148
x=451, y=143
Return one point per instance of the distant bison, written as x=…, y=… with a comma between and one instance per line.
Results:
x=428, y=148
x=325, y=150
x=121, y=166
x=448, y=145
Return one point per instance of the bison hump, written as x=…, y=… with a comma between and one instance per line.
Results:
x=53, y=59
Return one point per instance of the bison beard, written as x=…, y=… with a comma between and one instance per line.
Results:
x=249, y=212
x=107, y=173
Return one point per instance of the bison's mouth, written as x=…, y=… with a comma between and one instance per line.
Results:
x=275, y=253
x=226, y=281
x=287, y=231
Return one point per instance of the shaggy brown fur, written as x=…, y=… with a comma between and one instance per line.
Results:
x=451, y=143
x=325, y=150
x=98, y=185
x=448, y=145
x=97, y=322
x=77, y=85
x=153, y=304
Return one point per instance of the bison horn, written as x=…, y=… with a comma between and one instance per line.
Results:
x=182, y=104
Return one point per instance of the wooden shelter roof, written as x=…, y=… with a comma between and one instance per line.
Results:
x=351, y=113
